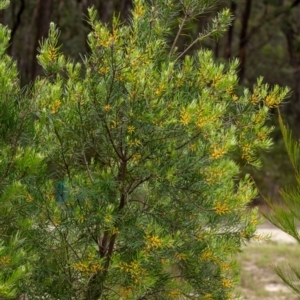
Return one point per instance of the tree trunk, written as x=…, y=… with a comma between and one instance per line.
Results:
x=43, y=19
x=124, y=8
x=217, y=49
x=243, y=39
x=291, y=35
x=16, y=24
x=228, y=45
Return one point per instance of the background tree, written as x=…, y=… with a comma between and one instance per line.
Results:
x=30, y=21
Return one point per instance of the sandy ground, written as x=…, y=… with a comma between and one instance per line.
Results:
x=275, y=234
x=262, y=277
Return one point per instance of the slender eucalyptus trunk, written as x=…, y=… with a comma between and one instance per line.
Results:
x=243, y=39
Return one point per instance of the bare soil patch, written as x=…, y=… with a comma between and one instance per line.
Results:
x=258, y=279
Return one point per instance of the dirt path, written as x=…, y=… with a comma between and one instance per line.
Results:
x=276, y=235
x=258, y=279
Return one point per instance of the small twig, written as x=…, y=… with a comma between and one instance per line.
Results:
x=178, y=34
x=198, y=39
x=87, y=166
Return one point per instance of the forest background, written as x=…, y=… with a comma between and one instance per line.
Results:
x=264, y=36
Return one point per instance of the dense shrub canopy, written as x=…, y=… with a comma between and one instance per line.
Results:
x=136, y=143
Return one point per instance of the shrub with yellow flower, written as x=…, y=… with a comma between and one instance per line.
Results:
x=149, y=138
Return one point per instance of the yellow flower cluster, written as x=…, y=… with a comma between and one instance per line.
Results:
x=226, y=283
x=134, y=65
x=217, y=152
x=132, y=94
x=217, y=79
x=225, y=267
x=125, y=292
x=107, y=107
x=88, y=267
x=234, y=97
x=160, y=90
x=43, y=217
x=114, y=230
x=229, y=90
x=180, y=256
x=204, y=120
x=137, y=273
x=114, y=124
x=164, y=261
x=199, y=235
x=136, y=157
x=213, y=175
x=4, y=260
x=193, y=147
x=253, y=220
x=108, y=218
x=130, y=129
x=29, y=198
x=158, y=122
x=120, y=77
x=103, y=70
x=206, y=254
x=54, y=106
x=259, y=118
x=56, y=220
x=208, y=296
x=153, y=242
x=104, y=38
x=110, y=41
x=262, y=136
x=81, y=218
x=174, y=294
x=134, y=142
x=185, y=117
x=52, y=54
x=272, y=101
x=221, y=208
x=254, y=99
x=139, y=11
x=179, y=82
x=246, y=152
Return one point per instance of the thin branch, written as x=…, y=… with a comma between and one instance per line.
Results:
x=66, y=165
x=178, y=34
x=87, y=166
x=136, y=184
x=112, y=142
x=198, y=39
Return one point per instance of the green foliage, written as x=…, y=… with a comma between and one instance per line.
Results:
x=286, y=216
x=142, y=138
x=13, y=121
x=12, y=267
x=4, y=4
